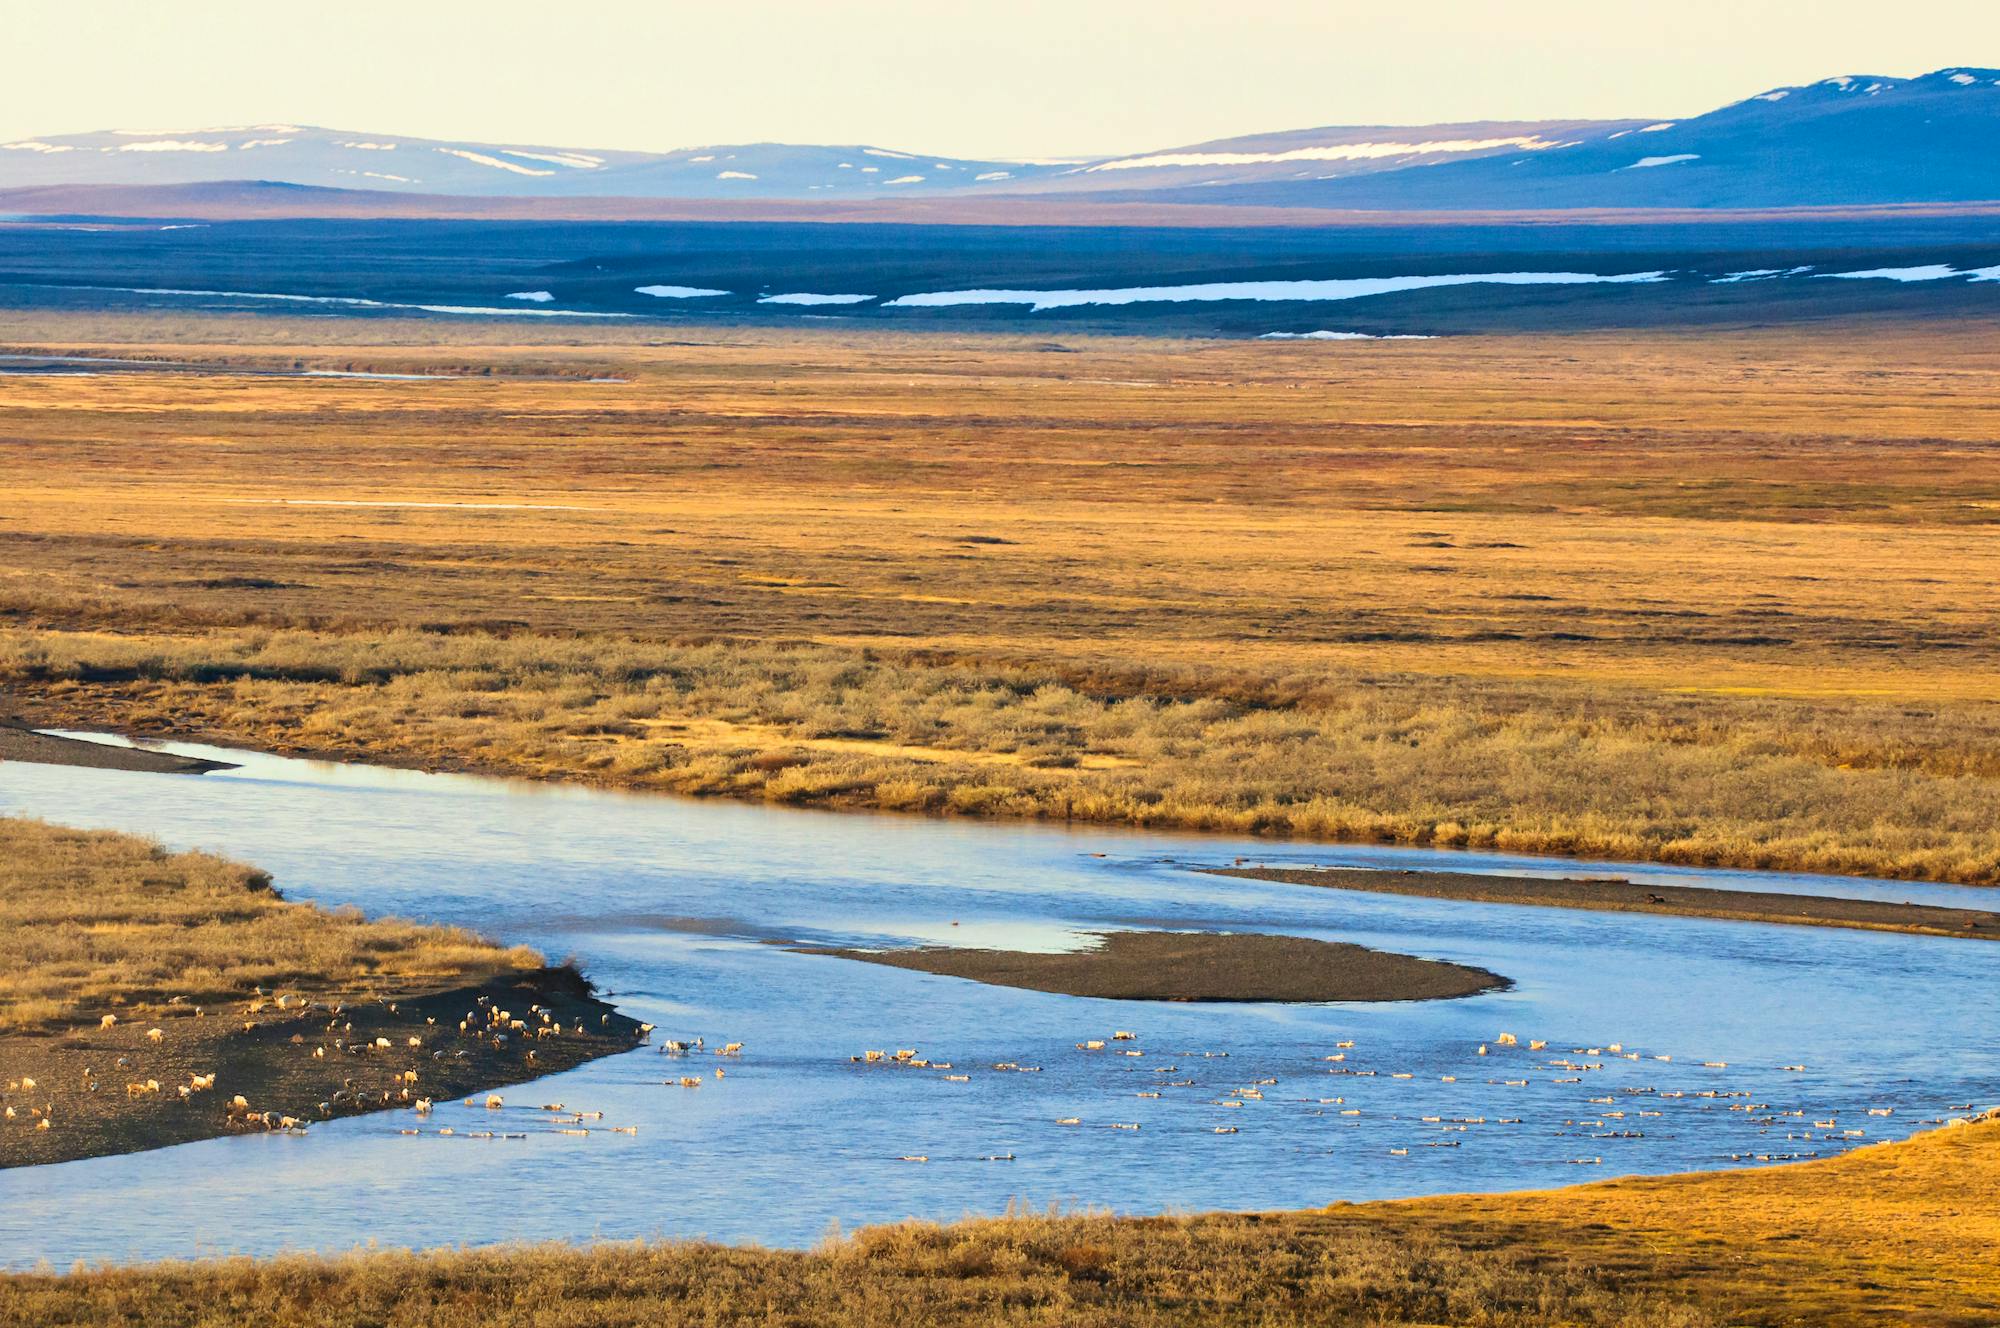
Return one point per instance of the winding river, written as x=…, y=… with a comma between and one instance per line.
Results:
x=670, y=905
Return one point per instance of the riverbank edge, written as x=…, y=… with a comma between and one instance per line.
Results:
x=1892, y=1232
x=270, y=1062
x=1601, y=895
x=22, y=744
x=40, y=713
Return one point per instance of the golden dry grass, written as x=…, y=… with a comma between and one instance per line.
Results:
x=1716, y=599
x=232, y=1009
x=1895, y=1234
x=95, y=923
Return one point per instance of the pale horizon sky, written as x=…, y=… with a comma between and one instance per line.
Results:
x=1025, y=79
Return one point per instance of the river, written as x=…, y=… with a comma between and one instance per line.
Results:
x=671, y=906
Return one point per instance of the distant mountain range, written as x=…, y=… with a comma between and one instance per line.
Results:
x=1848, y=140
x=1842, y=141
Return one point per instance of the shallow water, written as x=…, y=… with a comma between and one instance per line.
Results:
x=668, y=904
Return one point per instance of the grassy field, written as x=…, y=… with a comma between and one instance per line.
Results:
x=1898, y=1233
x=96, y=923
x=128, y=974
x=1719, y=599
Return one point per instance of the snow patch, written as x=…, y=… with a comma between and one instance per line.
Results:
x=1963, y=79
x=580, y=161
x=534, y=296
x=808, y=297
x=173, y=145
x=995, y=175
x=1329, y=152
x=1342, y=288
x=906, y=179
x=1656, y=128
x=1324, y=335
x=734, y=175
x=36, y=145
x=708, y=157
x=369, y=147
x=481, y=159
x=1927, y=272
x=677, y=292
x=355, y=302
x=1761, y=274
x=1645, y=163
x=884, y=152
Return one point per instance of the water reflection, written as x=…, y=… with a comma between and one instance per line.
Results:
x=671, y=904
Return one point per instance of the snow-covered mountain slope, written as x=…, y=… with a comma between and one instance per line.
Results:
x=335, y=158
x=1852, y=139
x=1329, y=153
x=1841, y=141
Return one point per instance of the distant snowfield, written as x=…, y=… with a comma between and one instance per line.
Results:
x=481, y=159
x=1327, y=152
x=1323, y=335
x=377, y=377
x=173, y=145
x=1647, y=163
x=809, y=297
x=535, y=296
x=677, y=292
x=1345, y=288
x=581, y=161
x=1928, y=272
x=356, y=302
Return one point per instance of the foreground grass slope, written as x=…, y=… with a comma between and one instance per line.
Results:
x=1705, y=600
x=142, y=992
x=1898, y=1233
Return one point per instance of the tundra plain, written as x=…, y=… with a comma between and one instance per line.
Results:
x=1716, y=598
x=1713, y=599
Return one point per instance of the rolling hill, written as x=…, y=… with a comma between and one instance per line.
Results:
x=1842, y=141
x=1845, y=141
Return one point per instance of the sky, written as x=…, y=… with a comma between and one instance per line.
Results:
x=1021, y=79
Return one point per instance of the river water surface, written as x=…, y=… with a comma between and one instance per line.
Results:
x=671, y=904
